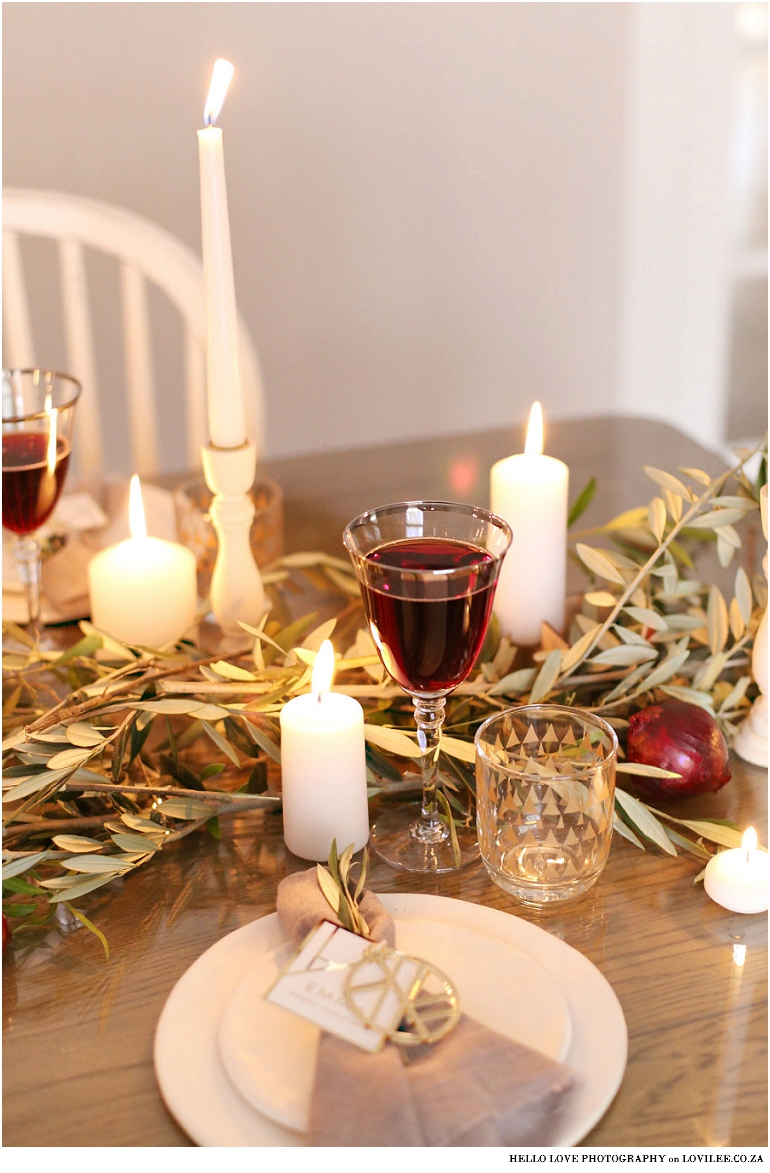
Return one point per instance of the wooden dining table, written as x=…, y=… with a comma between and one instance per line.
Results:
x=78, y=1029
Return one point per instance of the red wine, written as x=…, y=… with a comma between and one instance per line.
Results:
x=30, y=491
x=429, y=629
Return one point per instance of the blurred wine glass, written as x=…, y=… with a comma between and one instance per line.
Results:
x=38, y=416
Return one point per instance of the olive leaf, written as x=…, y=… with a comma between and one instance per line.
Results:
x=736, y=695
x=80, y=734
x=546, y=676
x=694, y=695
x=667, y=481
x=518, y=681
x=392, y=741
x=76, y=843
x=231, y=671
x=648, y=618
x=81, y=887
x=717, y=620
x=644, y=769
x=716, y=518
x=624, y=655
x=313, y=641
x=67, y=758
x=673, y=503
x=656, y=516
x=17, y=867
x=743, y=595
x=666, y=669
x=581, y=502
x=625, y=830
x=456, y=748
x=697, y=474
x=737, y=624
x=644, y=821
x=97, y=864
x=443, y=802
x=327, y=885
x=599, y=562
x=184, y=808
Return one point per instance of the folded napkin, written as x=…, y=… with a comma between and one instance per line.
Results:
x=473, y=1088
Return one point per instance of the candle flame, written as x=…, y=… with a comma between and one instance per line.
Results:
x=323, y=669
x=749, y=842
x=52, y=413
x=739, y=955
x=220, y=79
x=534, y=441
x=136, y=519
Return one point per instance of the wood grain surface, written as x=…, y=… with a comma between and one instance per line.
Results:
x=78, y=1030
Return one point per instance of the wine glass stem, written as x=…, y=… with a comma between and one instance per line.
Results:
x=27, y=551
x=429, y=714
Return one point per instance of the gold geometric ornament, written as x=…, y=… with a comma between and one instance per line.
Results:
x=408, y=999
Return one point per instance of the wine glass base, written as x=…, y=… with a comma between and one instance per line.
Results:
x=392, y=839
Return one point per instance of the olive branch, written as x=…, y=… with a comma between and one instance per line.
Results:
x=112, y=752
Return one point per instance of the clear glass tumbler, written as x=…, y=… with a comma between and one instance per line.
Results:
x=545, y=790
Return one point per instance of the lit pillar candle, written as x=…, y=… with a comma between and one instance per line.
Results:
x=738, y=879
x=323, y=767
x=226, y=417
x=143, y=590
x=530, y=491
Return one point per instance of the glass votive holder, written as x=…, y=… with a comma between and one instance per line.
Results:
x=192, y=501
x=545, y=791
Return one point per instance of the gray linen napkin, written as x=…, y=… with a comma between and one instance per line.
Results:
x=473, y=1088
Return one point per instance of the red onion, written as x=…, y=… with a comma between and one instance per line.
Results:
x=682, y=737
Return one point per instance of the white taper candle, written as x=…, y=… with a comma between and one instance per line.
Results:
x=226, y=414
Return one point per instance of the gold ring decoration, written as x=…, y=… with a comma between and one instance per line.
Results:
x=407, y=998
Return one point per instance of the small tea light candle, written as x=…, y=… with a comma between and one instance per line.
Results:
x=143, y=590
x=738, y=879
x=323, y=767
x=530, y=490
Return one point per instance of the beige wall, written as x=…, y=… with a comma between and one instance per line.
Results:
x=427, y=200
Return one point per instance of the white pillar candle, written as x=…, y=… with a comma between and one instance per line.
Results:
x=738, y=879
x=323, y=768
x=143, y=590
x=226, y=416
x=529, y=491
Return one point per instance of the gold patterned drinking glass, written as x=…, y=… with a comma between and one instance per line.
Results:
x=545, y=788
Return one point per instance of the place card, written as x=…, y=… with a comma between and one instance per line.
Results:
x=313, y=984
x=365, y=993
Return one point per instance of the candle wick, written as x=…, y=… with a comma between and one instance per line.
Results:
x=318, y=696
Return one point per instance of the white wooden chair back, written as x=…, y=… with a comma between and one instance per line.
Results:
x=145, y=253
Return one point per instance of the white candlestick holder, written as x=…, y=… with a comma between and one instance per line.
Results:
x=751, y=739
x=237, y=592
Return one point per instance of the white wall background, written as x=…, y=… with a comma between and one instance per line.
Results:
x=439, y=212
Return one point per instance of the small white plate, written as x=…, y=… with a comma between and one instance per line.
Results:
x=202, y=1099
x=270, y=1054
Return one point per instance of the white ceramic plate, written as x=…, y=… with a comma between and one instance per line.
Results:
x=203, y=1100
x=270, y=1054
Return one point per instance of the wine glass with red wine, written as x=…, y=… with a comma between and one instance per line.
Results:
x=427, y=572
x=38, y=413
